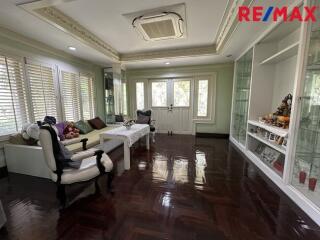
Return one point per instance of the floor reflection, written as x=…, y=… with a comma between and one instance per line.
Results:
x=201, y=164
x=183, y=188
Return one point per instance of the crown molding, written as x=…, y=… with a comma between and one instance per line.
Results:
x=65, y=23
x=167, y=54
x=16, y=37
x=229, y=22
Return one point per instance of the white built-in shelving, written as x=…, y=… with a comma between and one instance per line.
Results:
x=277, y=70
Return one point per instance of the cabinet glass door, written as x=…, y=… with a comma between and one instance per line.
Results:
x=241, y=97
x=307, y=157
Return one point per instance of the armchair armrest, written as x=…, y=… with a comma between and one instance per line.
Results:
x=76, y=140
x=84, y=154
x=100, y=166
x=84, y=143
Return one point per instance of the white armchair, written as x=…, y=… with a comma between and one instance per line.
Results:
x=94, y=163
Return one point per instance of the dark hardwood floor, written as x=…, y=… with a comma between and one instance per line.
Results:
x=183, y=188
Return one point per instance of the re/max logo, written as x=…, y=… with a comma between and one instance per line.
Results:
x=258, y=13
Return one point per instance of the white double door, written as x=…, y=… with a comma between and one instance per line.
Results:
x=171, y=101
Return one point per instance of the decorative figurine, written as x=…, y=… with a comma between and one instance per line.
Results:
x=280, y=118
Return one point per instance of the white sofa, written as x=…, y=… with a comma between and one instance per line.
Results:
x=29, y=160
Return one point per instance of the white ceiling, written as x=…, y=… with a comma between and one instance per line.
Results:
x=18, y=20
x=106, y=20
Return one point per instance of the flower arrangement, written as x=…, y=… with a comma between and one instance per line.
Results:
x=128, y=124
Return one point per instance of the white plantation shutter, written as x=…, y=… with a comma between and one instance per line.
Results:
x=42, y=91
x=70, y=94
x=87, y=96
x=13, y=104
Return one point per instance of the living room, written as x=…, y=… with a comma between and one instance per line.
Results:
x=173, y=119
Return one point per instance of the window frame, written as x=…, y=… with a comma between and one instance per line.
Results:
x=5, y=137
x=56, y=69
x=90, y=76
x=211, y=109
x=56, y=86
x=62, y=97
x=144, y=95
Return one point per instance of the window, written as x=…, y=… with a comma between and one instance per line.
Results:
x=87, y=93
x=203, y=88
x=140, y=95
x=13, y=104
x=42, y=92
x=159, y=94
x=124, y=97
x=181, y=93
x=70, y=94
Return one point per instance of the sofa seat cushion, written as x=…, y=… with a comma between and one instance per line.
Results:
x=87, y=170
x=93, y=139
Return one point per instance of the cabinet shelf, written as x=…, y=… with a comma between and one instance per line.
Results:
x=283, y=54
x=255, y=157
x=275, y=130
x=273, y=145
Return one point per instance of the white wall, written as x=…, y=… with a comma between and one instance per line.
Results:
x=284, y=81
x=224, y=80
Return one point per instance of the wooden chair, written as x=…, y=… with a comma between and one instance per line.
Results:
x=146, y=118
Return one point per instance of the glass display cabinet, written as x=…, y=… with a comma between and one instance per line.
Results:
x=109, y=97
x=241, y=97
x=306, y=169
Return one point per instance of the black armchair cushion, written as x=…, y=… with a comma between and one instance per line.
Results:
x=143, y=117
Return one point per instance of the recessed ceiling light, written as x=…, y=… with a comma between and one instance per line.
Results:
x=167, y=63
x=72, y=48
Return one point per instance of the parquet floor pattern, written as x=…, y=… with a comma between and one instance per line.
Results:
x=184, y=188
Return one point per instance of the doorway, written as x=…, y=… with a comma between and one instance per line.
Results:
x=171, y=101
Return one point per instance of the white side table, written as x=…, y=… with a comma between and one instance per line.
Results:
x=3, y=218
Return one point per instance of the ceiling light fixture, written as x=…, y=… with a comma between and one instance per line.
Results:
x=72, y=48
x=167, y=63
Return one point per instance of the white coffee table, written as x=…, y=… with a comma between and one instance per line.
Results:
x=129, y=137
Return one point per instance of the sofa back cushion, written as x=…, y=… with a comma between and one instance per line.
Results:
x=97, y=123
x=83, y=126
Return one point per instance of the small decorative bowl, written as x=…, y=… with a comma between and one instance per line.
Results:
x=128, y=124
x=128, y=127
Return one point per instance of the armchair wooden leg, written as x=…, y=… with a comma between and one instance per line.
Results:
x=96, y=184
x=153, y=137
x=110, y=176
x=61, y=194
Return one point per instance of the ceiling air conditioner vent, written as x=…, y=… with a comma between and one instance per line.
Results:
x=166, y=25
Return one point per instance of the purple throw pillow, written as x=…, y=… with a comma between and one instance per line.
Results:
x=61, y=126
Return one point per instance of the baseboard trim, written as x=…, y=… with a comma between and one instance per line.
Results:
x=3, y=172
x=212, y=135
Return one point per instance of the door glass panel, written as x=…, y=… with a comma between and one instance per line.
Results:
x=181, y=93
x=203, y=88
x=306, y=169
x=140, y=95
x=159, y=94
